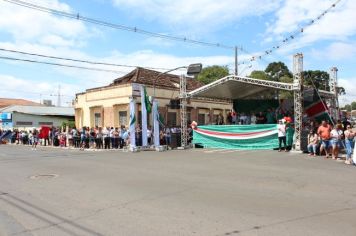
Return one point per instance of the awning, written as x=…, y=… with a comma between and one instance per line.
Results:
x=238, y=87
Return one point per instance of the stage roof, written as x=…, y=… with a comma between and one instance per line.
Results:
x=237, y=87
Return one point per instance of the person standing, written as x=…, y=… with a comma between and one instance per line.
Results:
x=34, y=139
x=106, y=136
x=289, y=136
x=349, y=138
x=324, y=134
x=281, y=135
x=336, y=135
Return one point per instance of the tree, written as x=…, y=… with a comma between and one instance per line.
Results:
x=320, y=79
x=347, y=107
x=212, y=73
x=276, y=70
x=353, y=105
x=259, y=74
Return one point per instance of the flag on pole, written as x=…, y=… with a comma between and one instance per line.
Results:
x=144, y=115
x=132, y=124
x=147, y=101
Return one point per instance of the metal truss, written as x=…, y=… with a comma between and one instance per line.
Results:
x=334, y=104
x=298, y=99
x=183, y=111
x=246, y=80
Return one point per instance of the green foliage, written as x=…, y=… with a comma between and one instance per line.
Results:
x=276, y=70
x=259, y=74
x=70, y=123
x=211, y=73
x=347, y=107
x=318, y=77
x=353, y=105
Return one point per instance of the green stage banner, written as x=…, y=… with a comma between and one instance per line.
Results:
x=246, y=137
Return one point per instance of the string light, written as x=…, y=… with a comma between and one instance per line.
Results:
x=290, y=37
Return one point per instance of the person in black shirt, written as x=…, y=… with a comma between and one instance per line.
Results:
x=260, y=118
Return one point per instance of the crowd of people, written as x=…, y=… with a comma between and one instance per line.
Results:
x=91, y=138
x=325, y=139
x=270, y=116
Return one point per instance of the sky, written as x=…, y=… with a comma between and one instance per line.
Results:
x=255, y=26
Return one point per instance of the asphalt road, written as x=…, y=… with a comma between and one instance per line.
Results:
x=190, y=192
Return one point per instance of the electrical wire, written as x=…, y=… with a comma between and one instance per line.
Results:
x=78, y=60
x=115, y=26
x=63, y=65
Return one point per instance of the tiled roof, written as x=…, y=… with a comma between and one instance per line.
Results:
x=5, y=102
x=149, y=77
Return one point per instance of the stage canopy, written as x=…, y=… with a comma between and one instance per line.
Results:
x=238, y=87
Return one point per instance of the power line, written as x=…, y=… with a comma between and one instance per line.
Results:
x=58, y=64
x=37, y=93
x=78, y=60
x=115, y=26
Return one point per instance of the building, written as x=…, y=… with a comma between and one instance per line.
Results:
x=109, y=105
x=28, y=117
x=5, y=102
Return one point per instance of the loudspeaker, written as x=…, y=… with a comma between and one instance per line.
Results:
x=174, y=104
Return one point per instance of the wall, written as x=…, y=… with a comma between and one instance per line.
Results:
x=114, y=99
x=35, y=119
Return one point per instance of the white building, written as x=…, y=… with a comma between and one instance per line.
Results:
x=28, y=117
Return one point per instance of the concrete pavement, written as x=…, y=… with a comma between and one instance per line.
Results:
x=189, y=192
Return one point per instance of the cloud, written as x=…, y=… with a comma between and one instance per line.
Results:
x=350, y=87
x=196, y=15
x=26, y=25
x=338, y=23
x=14, y=87
x=338, y=51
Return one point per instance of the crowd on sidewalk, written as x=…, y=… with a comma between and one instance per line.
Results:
x=324, y=139
x=90, y=138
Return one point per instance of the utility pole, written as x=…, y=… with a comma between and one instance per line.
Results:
x=236, y=61
x=59, y=96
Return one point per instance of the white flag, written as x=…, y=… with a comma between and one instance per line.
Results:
x=143, y=116
x=132, y=127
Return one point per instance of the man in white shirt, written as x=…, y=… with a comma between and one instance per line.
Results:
x=282, y=135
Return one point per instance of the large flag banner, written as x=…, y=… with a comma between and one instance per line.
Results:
x=132, y=127
x=144, y=115
x=155, y=123
x=316, y=109
x=247, y=137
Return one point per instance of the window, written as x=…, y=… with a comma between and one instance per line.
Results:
x=123, y=118
x=97, y=119
x=45, y=123
x=24, y=123
x=201, y=119
x=172, y=119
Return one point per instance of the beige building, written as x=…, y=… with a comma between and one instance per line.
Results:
x=109, y=105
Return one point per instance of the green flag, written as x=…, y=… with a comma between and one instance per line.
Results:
x=147, y=101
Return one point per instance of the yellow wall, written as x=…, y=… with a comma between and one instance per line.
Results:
x=111, y=100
